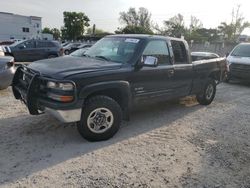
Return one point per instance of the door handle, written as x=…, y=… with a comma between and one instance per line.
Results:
x=171, y=73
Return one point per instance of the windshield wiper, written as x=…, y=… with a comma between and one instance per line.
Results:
x=102, y=57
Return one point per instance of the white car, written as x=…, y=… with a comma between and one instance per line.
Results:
x=238, y=63
x=1, y=51
x=7, y=71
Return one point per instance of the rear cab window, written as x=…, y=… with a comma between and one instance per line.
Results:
x=158, y=49
x=180, y=52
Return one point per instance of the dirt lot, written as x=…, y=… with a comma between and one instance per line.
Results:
x=178, y=144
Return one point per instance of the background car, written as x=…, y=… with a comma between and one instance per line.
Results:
x=7, y=71
x=1, y=51
x=79, y=52
x=33, y=50
x=197, y=56
x=71, y=47
x=238, y=63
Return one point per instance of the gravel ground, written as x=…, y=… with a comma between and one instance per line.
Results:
x=178, y=144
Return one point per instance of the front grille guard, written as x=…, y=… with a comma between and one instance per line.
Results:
x=25, y=87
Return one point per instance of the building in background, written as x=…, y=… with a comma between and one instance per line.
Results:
x=13, y=26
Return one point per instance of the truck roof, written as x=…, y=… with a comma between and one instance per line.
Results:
x=145, y=36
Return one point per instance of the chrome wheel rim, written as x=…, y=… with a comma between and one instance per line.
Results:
x=209, y=91
x=100, y=120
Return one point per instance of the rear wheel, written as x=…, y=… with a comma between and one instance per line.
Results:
x=66, y=52
x=101, y=118
x=207, y=95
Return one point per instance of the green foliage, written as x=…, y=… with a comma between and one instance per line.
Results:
x=46, y=30
x=232, y=31
x=74, y=25
x=134, y=30
x=136, y=21
x=55, y=32
x=174, y=27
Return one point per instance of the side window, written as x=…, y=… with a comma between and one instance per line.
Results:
x=29, y=44
x=50, y=44
x=180, y=53
x=158, y=49
x=40, y=44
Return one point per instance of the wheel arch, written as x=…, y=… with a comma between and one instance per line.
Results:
x=117, y=90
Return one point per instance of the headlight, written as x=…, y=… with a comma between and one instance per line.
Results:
x=60, y=86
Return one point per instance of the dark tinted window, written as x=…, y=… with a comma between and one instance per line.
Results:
x=29, y=44
x=242, y=51
x=180, y=53
x=45, y=44
x=158, y=49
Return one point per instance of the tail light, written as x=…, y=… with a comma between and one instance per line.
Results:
x=61, y=52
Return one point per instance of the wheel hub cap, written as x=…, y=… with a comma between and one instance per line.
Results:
x=100, y=120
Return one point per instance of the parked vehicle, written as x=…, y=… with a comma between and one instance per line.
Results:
x=238, y=63
x=7, y=70
x=80, y=52
x=71, y=47
x=1, y=51
x=7, y=43
x=117, y=73
x=33, y=50
x=197, y=56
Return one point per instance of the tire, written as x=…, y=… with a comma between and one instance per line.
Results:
x=101, y=119
x=66, y=52
x=208, y=93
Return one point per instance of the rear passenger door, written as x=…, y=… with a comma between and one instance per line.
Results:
x=183, y=69
x=41, y=50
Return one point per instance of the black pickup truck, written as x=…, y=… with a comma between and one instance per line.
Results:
x=99, y=89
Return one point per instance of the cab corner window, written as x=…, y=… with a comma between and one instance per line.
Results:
x=180, y=53
x=158, y=49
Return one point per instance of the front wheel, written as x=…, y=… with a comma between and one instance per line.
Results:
x=101, y=118
x=207, y=95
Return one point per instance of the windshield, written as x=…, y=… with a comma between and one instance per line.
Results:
x=79, y=53
x=17, y=43
x=119, y=50
x=242, y=51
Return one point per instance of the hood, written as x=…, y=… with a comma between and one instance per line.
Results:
x=239, y=60
x=68, y=65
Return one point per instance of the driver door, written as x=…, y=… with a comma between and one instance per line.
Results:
x=155, y=82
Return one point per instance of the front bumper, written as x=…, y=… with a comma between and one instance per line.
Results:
x=29, y=87
x=66, y=116
x=239, y=71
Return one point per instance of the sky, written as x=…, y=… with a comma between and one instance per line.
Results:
x=105, y=13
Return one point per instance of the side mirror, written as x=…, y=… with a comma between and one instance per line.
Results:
x=150, y=61
x=227, y=54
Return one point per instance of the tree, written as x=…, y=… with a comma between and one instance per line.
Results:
x=46, y=30
x=55, y=32
x=134, y=30
x=174, y=27
x=74, y=25
x=136, y=21
x=195, y=24
x=232, y=31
